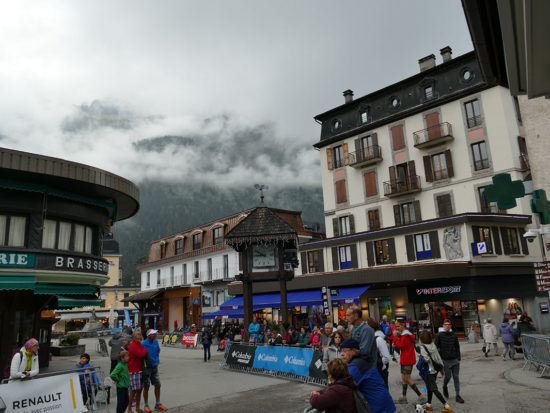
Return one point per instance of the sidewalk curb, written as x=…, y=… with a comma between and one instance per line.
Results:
x=508, y=376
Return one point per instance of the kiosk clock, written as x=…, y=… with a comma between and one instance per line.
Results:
x=263, y=256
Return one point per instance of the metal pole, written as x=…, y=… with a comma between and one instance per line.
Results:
x=284, y=304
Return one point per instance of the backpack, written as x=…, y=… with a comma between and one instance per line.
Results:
x=361, y=404
x=437, y=366
x=423, y=368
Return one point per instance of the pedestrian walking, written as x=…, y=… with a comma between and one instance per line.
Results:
x=135, y=368
x=383, y=360
x=24, y=363
x=404, y=340
x=508, y=334
x=151, y=372
x=206, y=339
x=121, y=379
x=428, y=350
x=490, y=336
x=447, y=344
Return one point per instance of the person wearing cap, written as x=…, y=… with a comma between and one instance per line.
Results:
x=447, y=344
x=24, y=363
x=368, y=380
x=151, y=372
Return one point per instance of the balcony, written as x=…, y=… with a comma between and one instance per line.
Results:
x=365, y=156
x=433, y=136
x=398, y=187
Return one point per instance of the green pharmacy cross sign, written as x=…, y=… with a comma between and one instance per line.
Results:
x=540, y=205
x=504, y=191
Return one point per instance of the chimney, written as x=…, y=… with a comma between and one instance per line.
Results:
x=427, y=62
x=446, y=53
x=348, y=95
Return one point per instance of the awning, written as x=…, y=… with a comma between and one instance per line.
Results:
x=17, y=283
x=144, y=295
x=229, y=313
x=62, y=289
x=296, y=298
x=77, y=301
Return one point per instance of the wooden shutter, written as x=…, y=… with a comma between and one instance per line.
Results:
x=303, y=259
x=475, y=233
x=434, y=244
x=432, y=122
x=412, y=172
x=417, y=212
x=341, y=195
x=505, y=241
x=449, y=162
x=335, y=259
x=351, y=225
x=321, y=262
x=524, y=246
x=397, y=137
x=496, y=241
x=428, y=168
x=374, y=137
x=374, y=220
x=353, y=249
x=330, y=160
x=370, y=253
x=397, y=214
x=335, y=227
x=391, y=248
x=346, y=154
x=411, y=251
x=370, y=183
x=444, y=205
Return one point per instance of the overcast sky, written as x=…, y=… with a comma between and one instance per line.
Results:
x=87, y=80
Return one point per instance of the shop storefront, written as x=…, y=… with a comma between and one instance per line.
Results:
x=468, y=302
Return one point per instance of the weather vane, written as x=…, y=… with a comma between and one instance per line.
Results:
x=261, y=189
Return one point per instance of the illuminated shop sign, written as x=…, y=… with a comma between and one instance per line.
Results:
x=438, y=290
x=54, y=262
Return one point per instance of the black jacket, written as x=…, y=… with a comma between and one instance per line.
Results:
x=447, y=344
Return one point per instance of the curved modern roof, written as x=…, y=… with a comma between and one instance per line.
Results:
x=72, y=177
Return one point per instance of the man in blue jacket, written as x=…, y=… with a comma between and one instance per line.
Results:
x=150, y=371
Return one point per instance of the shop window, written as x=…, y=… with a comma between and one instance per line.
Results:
x=218, y=233
x=179, y=246
x=345, y=257
x=374, y=219
x=12, y=231
x=510, y=241
x=196, y=241
x=483, y=234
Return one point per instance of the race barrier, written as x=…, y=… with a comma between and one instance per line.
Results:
x=292, y=363
x=536, y=351
x=181, y=340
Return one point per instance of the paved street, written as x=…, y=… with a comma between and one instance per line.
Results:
x=189, y=384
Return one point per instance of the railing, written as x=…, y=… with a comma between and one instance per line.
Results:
x=474, y=121
x=433, y=133
x=524, y=161
x=365, y=154
x=395, y=187
x=481, y=164
x=536, y=351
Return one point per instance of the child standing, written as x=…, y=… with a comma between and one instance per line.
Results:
x=121, y=377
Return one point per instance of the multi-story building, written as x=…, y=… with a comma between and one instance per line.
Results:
x=186, y=276
x=404, y=171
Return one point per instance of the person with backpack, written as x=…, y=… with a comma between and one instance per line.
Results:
x=403, y=340
x=338, y=397
x=431, y=356
x=383, y=362
x=24, y=363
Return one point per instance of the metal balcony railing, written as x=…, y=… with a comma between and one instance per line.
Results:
x=398, y=187
x=370, y=153
x=433, y=135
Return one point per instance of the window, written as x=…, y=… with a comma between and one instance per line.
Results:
x=163, y=249
x=336, y=124
x=66, y=236
x=126, y=303
x=179, y=246
x=196, y=273
x=487, y=207
x=407, y=213
x=171, y=276
x=483, y=234
x=79, y=238
x=370, y=183
x=226, y=266
x=423, y=246
x=12, y=231
x=209, y=268
x=479, y=153
x=344, y=225
x=395, y=102
x=338, y=154
x=218, y=232
x=345, y=257
x=374, y=219
x=148, y=279
x=364, y=116
x=341, y=194
x=444, y=205
x=382, y=250
x=313, y=261
x=473, y=114
x=439, y=166
x=428, y=92
x=510, y=241
x=196, y=241
x=158, y=277
x=398, y=138
x=184, y=273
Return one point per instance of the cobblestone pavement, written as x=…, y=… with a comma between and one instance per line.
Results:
x=190, y=385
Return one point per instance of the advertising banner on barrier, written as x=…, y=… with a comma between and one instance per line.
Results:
x=189, y=339
x=316, y=366
x=47, y=394
x=240, y=355
x=286, y=359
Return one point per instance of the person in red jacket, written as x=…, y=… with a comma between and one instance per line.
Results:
x=135, y=367
x=403, y=340
x=339, y=396
x=315, y=337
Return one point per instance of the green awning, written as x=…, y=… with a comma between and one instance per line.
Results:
x=17, y=283
x=62, y=289
x=77, y=301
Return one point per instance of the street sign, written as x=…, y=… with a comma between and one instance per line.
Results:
x=542, y=275
x=334, y=291
x=482, y=247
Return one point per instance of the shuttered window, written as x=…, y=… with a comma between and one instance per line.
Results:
x=314, y=261
x=346, y=225
x=370, y=183
x=510, y=241
x=374, y=219
x=341, y=195
x=444, y=205
x=483, y=234
x=384, y=251
x=398, y=137
x=338, y=154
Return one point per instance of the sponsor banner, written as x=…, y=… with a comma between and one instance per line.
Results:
x=294, y=360
x=240, y=355
x=189, y=339
x=315, y=367
x=48, y=394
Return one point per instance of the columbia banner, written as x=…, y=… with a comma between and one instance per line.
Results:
x=48, y=394
x=240, y=355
